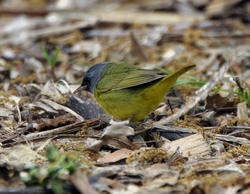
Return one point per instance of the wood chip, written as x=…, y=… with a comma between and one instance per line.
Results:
x=193, y=145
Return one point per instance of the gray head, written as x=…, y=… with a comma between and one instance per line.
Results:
x=92, y=76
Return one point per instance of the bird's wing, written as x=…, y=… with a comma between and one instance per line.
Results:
x=126, y=76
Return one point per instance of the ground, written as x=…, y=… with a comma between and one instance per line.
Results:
x=196, y=141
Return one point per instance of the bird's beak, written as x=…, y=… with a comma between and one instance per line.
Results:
x=80, y=88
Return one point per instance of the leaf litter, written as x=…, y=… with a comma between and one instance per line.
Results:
x=197, y=143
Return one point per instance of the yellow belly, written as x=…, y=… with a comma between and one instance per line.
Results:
x=131, y=103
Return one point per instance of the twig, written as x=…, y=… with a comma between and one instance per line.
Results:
x=50, y=133
x=58, y=107
x=35, y=12
x=124, y=16
x=170, y=106
x=139, y=50
x=238, y=127
x=176, y=155
x=67, y=136
x=237, y=80
x=233, y=139
x=178, y=50
x=81, y=182
x=55, y=30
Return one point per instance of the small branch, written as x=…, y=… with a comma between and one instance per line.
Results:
x=237, y=80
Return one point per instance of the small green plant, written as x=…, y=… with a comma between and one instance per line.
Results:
x=54, y=176
x=52, y=62
x=244, y=95
x=193, y=82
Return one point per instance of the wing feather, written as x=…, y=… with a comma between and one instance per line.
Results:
x=120, y=76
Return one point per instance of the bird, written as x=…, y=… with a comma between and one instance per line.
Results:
x=128, y=92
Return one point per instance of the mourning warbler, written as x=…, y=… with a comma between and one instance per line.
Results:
x=127, y=92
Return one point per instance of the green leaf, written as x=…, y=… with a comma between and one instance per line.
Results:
x=57, y=186
x=46, y=55
x=52, y=153
x=32, y=177
x=52, y=62
x=70, y=165
x=198, y=83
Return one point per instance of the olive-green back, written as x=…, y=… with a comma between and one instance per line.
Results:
x=119, y=76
